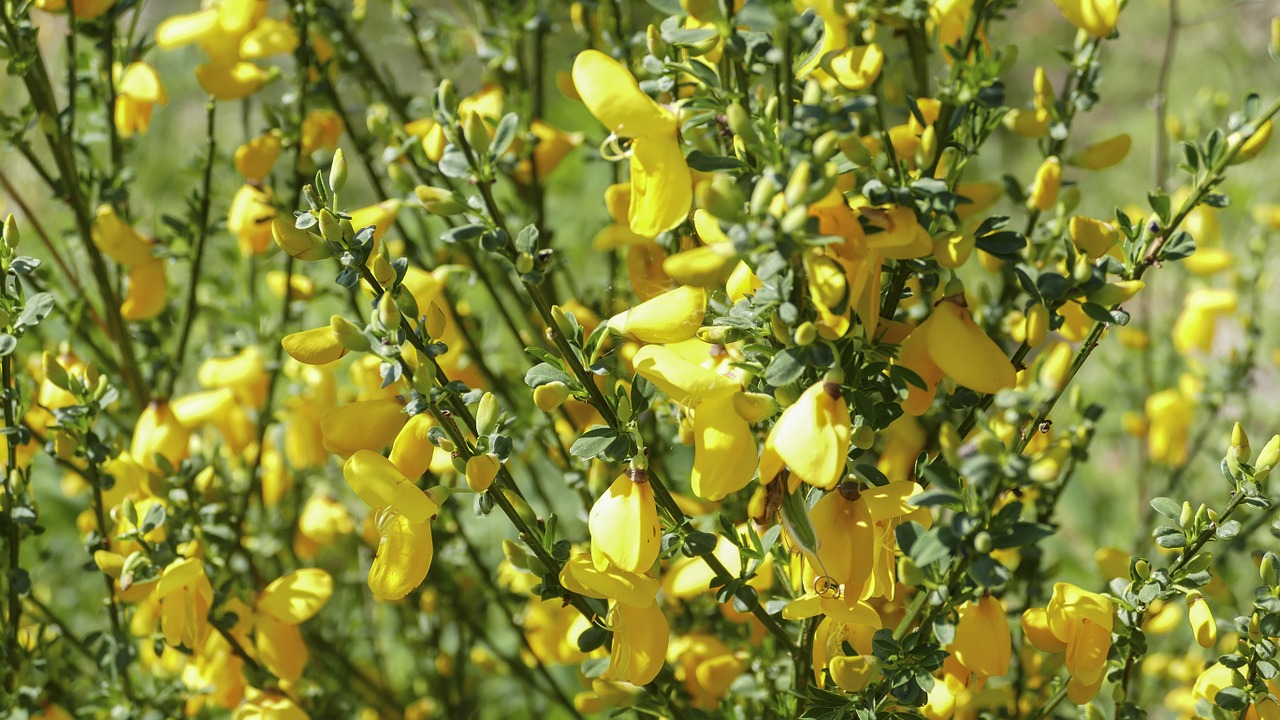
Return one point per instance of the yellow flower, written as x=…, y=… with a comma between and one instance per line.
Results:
x=624, y=524
x=322, y=129
x=323, y=521
x=412, y=450
x=706, y=666
x=362, y=425
x=137, y=92
x=158, y=432
x=640, y=638
x=255, y=158
x=1203, y=625
x=661, y=183
x=245, y=373
x=811, y=438
x=1095, y=17
x=145, y=295
x=403, y=521
x=982, y=641
x=1044, y=188
x=84, y=9
x=185, y=595
x=1169, y=416
x=1196, y=326
x=671, y=317
x=724, y=456
x=1093, y=237
x=231, y=82
x=268, y=705
x=283, y=605
x=1078, y=622
x=1104, y=154
x=317, y=346
x=249, y=219
x=117, y=239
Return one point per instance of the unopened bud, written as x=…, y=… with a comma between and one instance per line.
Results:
x=524, y=263
x=1267, y=459
x=826, y=146
x=388, y=314
x=338, y=172
x=330, y=229
x=487, y=414
x=438, y=201
x=436, y=321
x=481, y=470
x=740, y=124
x=653, y=42
x=298, y=243
x=514, y=554
x=982, y=542
x=382, y=270
x=755, y=407
x=766, y=187
x=563, y=325
x=1142, y=569
x=806, y=333
x=11, y=234
x=798, y=186
x=1269, y=569
x=475, y=132
x=550, y=396
x=446, y=98
x=350, y=336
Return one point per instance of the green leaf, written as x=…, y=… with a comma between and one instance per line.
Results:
x=504, y=134
x=544, y=373
x=1178, y=246
x=1231, y=699
x=1167, y=507
x=702, y=162
x=601, y=442
x=699, y=543
x=796, y=518
x=38, y=308
x=785, y=368
x=928, y=549
x=1020, y=534
x=592, y=638
x=462, y=233
x=8, y=344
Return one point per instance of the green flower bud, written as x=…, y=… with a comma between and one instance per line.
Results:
x=982, y=542
x=766, y=187
x=826, y=146
x=438, y=201
x=387, y=314
x=11, y=234
x=436, y=321
x=1267, y=459
x=721, y=197
x=475, y=131
x=1269, y=569
x=1142, y=569
x=806, y=333
x=740, y=123
x=351, y=337
x=487, y=414
x=338, y=172
x=1186, y=516
x=798, y=186
x=330, y=229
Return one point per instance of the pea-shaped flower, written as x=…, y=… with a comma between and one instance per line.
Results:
x=661, y=183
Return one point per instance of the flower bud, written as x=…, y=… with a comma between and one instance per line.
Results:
x=387, y=313
x=798, y=186
x=766, y=187
x=330, y=229
x=297, y=243
x=550, y=396
x=1037, y=326
x=475, y=132
x=438, y=201
x=1269, y=569
x=982, y=542
x=487, y=414
x=1201, y=617
x=436, y=321
x=1045, y=187
x=826, y=146
x=1142, y=569
x=806, y=333
x=740, y=123
x=446, y=98
x=351, y=337
x=1252, y=145
x=1267, y=458
x=754, y=407
x=11, y=234
x=338, y=172
x=481, y=470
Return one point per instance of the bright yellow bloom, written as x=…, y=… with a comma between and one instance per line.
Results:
x=1169, y=416
x=982, y=642
x=640, y=638
x=405, y=549
x=671, y=317
x=117, y=239
x=255, y=158
x=811, y=438
x=145, y=295
x=724, y=457
x=412, y=450
x=624, y=524
x=317, y=346
x=322, y=129
x=362, y=425
x=158, y=432
x=84, y=9
x=1197, y=325
x=281, y=607
x=661, y=183
x=380, y=484
x=138, y=91
x=1078, y=622
x=245, y=373
x=1044, y=188
x=1095, y=17
x=268, y=705
x=185, y=595
x=1203, y=625
x=1104, y=154
x=249, y=219
x=706, y=666
x=232, y=82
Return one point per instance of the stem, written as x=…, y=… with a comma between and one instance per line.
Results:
x=192, y=308
x=12, y=621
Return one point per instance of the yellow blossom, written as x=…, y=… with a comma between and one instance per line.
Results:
x=138, y=91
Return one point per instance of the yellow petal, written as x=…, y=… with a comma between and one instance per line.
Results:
x=580, y=575
x=858, y=66
x=640, y=637
x=145, y=297
x=671, y=317
x=1035, y=626
x=661, y=185
x=964, y=352
x=362, y=425
x=624, y=525
x=380, y=484
x=280, y=647
x=683, y=381
x=614, y=97
x=118, y=240
x=853, y=673
x=318, y=346
x=179, y=30
x=812, y=436
x=231, y=82
x=1104, y=154
x=982, y=641
x=724, y=454
x=298, y=596
x=413, y=450
x=403, y=558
